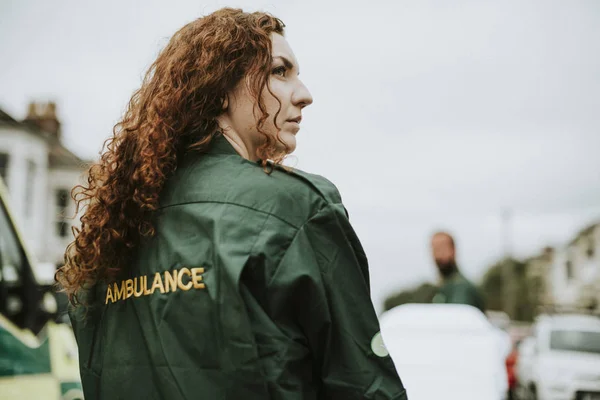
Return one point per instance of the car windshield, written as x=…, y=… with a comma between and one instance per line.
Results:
x=571, y=340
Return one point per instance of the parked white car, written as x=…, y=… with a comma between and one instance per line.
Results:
x=562, y=360
x=446, y=351
x=524, y=368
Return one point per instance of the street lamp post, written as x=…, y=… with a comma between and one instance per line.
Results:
x=507, y=278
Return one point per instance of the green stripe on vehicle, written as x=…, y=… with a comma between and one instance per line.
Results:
x=19, y=359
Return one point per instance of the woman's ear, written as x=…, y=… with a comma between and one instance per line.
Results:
x=225, y=103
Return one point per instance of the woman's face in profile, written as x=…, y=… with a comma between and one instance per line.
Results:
x=286, y=86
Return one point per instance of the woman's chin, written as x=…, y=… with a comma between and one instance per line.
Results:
x=289, y=139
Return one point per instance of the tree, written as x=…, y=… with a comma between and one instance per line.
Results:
x=521, y=298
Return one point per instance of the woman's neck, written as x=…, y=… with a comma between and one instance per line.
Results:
x=239, y=145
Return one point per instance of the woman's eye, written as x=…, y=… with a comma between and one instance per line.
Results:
x=279, y=71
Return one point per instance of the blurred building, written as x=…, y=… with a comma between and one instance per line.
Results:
x=575, y=274
x=538, y=274
x=40, y=173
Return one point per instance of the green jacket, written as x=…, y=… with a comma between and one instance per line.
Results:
x=458, y=290
x=254, y=287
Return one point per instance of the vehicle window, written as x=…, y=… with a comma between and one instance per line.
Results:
x=571, y=340
x=11, y=256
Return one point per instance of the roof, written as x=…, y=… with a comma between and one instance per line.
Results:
x=58, y=156
x=588, y=230
x=29, y=126
x=5, y=118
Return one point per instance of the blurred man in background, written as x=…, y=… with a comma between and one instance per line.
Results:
x=455, y=288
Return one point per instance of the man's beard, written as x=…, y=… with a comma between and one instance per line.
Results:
x=446, y=268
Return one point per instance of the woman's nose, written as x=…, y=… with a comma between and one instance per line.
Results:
x=302, y=96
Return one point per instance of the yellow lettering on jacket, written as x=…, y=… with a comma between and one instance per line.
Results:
x=119, y=293
x=129, y=287
x=188, y=285
x=137, y=287
x=197, y=278
x=146, y=291
x=171, y=281
x=183, y=279
x=109, y=296
x=157, y=284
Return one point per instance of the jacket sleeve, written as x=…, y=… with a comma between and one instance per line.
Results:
x=474, y=298
x=323, y=277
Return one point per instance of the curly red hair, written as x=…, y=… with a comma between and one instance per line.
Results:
x=173, y=112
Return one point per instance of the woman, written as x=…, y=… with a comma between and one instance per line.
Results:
x=204, y=271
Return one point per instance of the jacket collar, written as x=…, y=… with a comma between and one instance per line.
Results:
x=453, y=277
x=220, y=145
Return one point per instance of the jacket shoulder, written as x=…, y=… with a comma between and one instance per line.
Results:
x=319, y=185
x=287, y=193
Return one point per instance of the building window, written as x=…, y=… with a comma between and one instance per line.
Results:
x=569, y=269
x=62, y=202
x=30, y=187
x=4, y=159
x=590, y=247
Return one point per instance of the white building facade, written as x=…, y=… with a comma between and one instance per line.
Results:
x=575, y=273
x=40, y=173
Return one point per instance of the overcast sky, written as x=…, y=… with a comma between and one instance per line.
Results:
x=427, y=114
